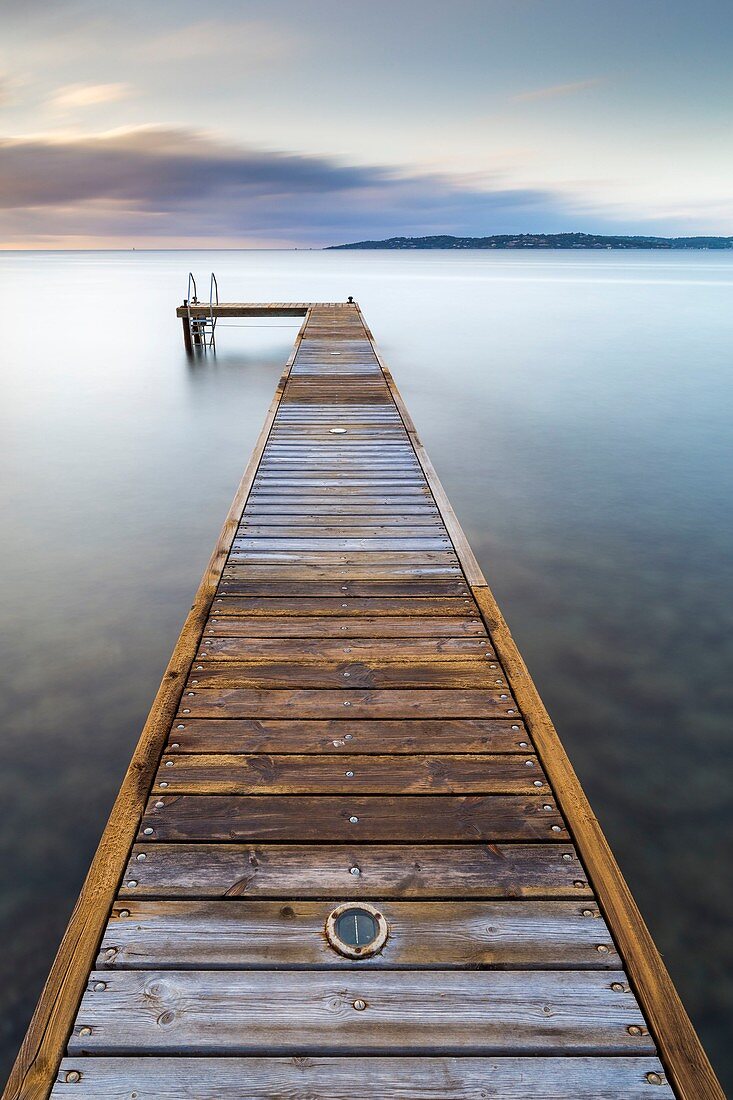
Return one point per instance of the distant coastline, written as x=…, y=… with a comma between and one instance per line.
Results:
x=545, y=240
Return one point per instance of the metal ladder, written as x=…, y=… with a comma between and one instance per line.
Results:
x=202, y=329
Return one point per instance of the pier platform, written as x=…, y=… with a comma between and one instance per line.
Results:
x=350, y=858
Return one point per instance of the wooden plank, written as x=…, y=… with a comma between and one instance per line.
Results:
x=224, y=773
x=306, y=703
x=391, y=1078
x=371, y=818
x=403, y=629
x=328, y=871
x=388, y=672
x=249, y=735
x=403, y=650
x=410, y=606
x=252, y=1012
x=317, y=586
x=210, y=935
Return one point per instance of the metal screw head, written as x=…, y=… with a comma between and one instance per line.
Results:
x=634, y=1030
x=617, y=987
x=654, y=1079
x=348, y=737
x=353, y=819
x=124, y=912
x=349, y=775
x=567, y=857
x=537, y=782
x=72, y=1077
x=148, y=831
x=347, y=704
x=355, y=871
x=529, y=763
x=359, y=1005
x=588, y=913
x=99, y=987
x=162, y=783
x=602, y=949
x=522, y=744
x=169, y=763
x=556, y=829
x=85, y=1031
x=515, y=727
x=546, y=807
x=141, y=857
x=132, y=882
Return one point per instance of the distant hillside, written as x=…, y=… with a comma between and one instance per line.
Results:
x=545, y=240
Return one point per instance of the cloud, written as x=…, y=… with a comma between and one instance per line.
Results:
x=556, y=91
x=72, y=96
x=181, y=185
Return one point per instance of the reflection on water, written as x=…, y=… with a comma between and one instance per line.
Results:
x=577, y=408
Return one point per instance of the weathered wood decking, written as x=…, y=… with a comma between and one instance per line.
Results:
x=346, y=717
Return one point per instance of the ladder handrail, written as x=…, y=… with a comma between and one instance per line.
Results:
x=213, y=289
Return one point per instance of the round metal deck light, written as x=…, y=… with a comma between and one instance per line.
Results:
x=356, y=931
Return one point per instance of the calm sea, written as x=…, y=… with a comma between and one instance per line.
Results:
x=579, y=409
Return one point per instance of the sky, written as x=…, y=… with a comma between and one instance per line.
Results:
x=300, y=124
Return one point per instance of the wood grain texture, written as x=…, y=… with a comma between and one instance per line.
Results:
x=317, y=818
x=255, y=1012
x=315, y=703
x=242, y=934
x=327, y=871
x=391, y=1078
x=250, y=735
x=224, y=773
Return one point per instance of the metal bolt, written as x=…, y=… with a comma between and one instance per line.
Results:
x=85, y=1031
x=347, y=674
x=510, y=710
x=148, y=831
x=99, y=987
x=175, y=745
x=132, y=882
x=169, y=763
x=355, y=871
x=602, y=949
x=347, y=704
x=349, y=775
x=162, y=783
x=567, y=857
x=353, y=820
x=617, y=987
x=529, y=763
x=359, y=1005
x=579, y=884
x=124, y=913
x=588, y=913
x=186, y=710
x=537, y=783
x=547, y=807
x=634, y=1030
x=180, y=727
x=515, y=727
x=141, y=857
x=72, y=1076
x=556, y=829
x=349, y=737
x=522, y=744
x=501, y=696
x=654, y=1079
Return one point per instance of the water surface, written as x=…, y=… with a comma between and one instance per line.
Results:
x=577, y=408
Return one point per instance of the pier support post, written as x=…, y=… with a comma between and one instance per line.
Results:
x=186, y=333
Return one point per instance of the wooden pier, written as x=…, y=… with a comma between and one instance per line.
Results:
x=346, y=722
